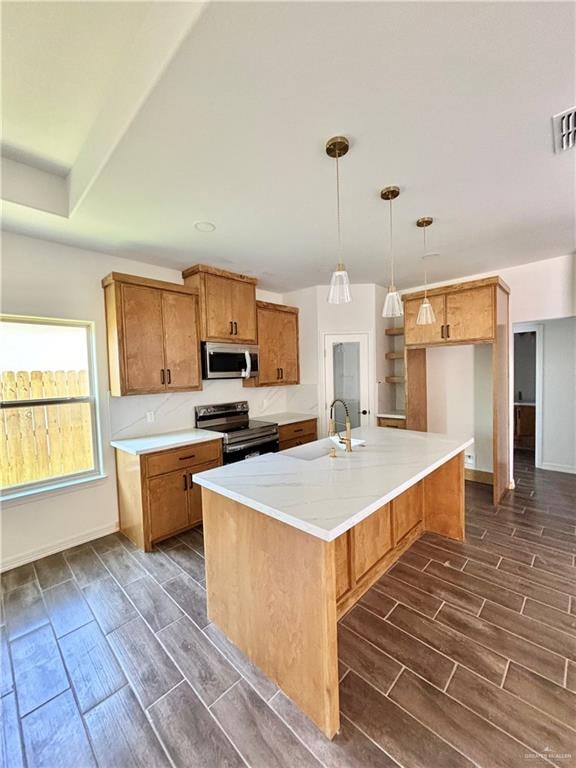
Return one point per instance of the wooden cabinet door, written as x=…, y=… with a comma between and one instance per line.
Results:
x=269, y=328
x=288, y=348
x=195, y=493
x=181, y=341
x=470, y=314
x=167, y=504
x=372, y=540
x=423, y=334
x=143, y=340
x=407, y=511
x=218, y=308
x=244, y=311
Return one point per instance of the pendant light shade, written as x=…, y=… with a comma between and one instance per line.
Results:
x=339, y=291
x=426, y=314
x=393, y=304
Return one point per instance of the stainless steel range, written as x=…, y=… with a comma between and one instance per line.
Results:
x=243, y=437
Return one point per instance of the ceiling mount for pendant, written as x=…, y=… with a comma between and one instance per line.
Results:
x=337, y=146
x=425, y=221
x=390, y=193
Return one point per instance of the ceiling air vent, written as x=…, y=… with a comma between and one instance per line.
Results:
x=564, y=125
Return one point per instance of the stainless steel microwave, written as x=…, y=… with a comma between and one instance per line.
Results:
x=229, y=361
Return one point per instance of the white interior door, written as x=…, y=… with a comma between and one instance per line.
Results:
x=346, y=376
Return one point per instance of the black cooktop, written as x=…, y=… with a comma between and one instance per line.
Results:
x=251, y=424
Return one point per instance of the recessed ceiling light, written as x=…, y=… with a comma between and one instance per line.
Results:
x=204, y=226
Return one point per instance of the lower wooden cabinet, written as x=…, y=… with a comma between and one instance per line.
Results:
x=407, y=510
x=524, y=426
x=157, y=496
x=365, y=552
x=372, y=540
x=298, y=433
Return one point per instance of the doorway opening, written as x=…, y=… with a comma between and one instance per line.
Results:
x=527, y=392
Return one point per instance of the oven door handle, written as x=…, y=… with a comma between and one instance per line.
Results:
x=235, y=447
x=248, y=372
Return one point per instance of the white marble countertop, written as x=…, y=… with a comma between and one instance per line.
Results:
x=325, y=497
x=286, y=418
x=152, y=443
x=524, y=402
x=392, y=415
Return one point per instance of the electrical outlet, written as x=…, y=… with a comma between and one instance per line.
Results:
x=150, y=417
x=469, y=460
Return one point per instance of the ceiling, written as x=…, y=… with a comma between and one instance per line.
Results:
x=450, y=101
x=57, y=72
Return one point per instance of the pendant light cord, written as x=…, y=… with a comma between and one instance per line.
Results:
x=338, y=209
x=424, y=260
x=391, y=250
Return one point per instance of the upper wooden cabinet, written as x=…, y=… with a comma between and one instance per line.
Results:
x=465, y=313
x=278, y=345
x=227, y=304
x=153, y=335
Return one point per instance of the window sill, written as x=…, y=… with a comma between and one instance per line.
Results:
x=23, y=495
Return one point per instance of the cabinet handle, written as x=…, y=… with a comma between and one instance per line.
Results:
x=277, y=373
x=281, y=373
x=185, y=483
x=447, y=331
x=235, y=328
x=299, y=430
x=184, y=458
x=442, y=331
x=231, y=328
x=191, y=483
x=169, y=376
x=162, y=375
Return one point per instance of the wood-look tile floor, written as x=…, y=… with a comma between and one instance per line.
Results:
x=463, y=654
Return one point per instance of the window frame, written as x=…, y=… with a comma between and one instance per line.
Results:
x=62, y=481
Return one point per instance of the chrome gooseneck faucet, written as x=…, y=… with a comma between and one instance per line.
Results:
x=332, y=428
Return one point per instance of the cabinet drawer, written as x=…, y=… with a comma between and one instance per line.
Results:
x=285, y=444
x=181, y=458
x=392, y=423
x=298, y=429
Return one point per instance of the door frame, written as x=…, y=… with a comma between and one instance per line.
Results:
x=538, y=329
x=364, y=338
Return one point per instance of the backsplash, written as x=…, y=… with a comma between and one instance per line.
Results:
x=128, y=415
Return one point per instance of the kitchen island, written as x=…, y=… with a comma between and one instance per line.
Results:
x=294, y=539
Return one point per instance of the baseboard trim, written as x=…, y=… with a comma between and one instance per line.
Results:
x=479, y=476
x=35, y=554
x=566, y=468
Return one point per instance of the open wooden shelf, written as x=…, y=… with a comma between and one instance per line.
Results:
x=394, y=331
x=395, y=355
x=395, y=379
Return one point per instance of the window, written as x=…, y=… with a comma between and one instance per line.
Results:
x=48, y=417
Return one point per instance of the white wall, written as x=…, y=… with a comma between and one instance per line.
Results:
x=52, y=280
x=559, y=395
x=459, y=392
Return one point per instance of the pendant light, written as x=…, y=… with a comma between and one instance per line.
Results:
x=426, y=314
x=339, y=292
x=393, y=306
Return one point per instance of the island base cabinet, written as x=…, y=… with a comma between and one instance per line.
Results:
x=271, y=590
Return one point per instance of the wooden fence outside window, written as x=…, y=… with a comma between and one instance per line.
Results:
x=44, y=441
